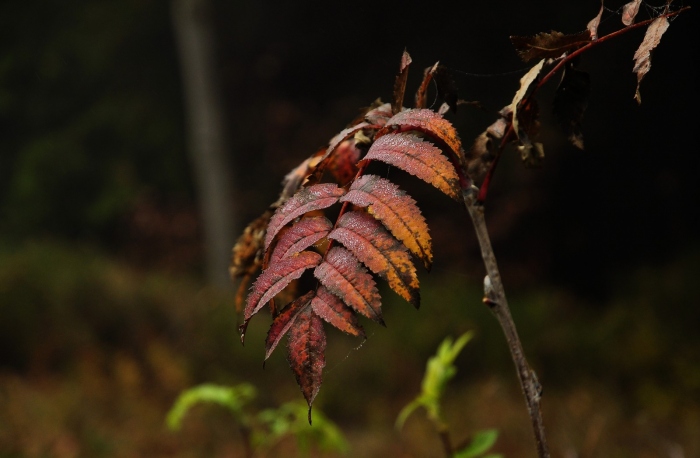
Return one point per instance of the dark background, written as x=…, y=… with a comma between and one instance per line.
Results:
x=100, y=229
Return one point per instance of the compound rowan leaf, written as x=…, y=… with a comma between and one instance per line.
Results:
x=431, y=124
x=275, y=278
x=570, y=102
x=629, y=12
x=642, y=57
x=314, y=197
x=400, y=84
x=396, y=210
x=342, y=274
x=300, y=236
x=548, y=45
x=305, y=353
x=329, y=307
x=372, y=244
x=419, y=158
x=284, y=321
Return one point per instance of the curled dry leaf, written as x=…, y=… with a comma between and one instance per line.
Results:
x=423, y=89
x=642, y=57
x=593, y=24
x=523, y=118
x=629, y=12
x=400, y=84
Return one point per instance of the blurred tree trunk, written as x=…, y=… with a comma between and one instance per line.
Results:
x=205, y=132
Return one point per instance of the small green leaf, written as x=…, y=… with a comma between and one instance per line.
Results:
x=482, y=441
x=440, y=369
x=233, y=398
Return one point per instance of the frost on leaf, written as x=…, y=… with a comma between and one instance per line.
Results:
x=305, y=353
x=419, y=158
x=316, y=197
x=284, y=321
x=329, y=307
x=300, y=236
x=372, y=244
x=433, y=125
x=629, y=12
x=275, y=278
x=548, y=45
x=642, y=57
x=396, y=210
x=342, y=274
x=570, y=102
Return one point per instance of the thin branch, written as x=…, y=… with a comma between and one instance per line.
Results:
x=495, y=298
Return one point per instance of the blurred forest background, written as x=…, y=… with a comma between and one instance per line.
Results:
x=114, y=296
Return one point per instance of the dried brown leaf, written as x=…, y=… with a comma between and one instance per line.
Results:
x=629, y=12
x=525, y=83
x=595, y=22
x=423, y=89
x=400, y=84
x=642, y=57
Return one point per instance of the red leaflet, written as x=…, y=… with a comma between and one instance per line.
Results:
x=283, y=321
x=315, y=197
x=432, y=124
x=343, y=275
x=275, y=278
x=300, y=236
x=419, y=158
x=305, y=353
x=367, y=239
x=396, y=210
x=329, y=307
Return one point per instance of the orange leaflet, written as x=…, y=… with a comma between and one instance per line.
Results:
x=370, y=242
x=342, y=274
x=419, y=158
x=329, y=307
x=396, y=210
x=432, y=124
